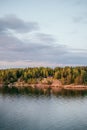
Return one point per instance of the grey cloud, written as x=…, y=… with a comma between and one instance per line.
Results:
x=45, y=37
x=9, y=42
x=14, y=23
x=43, y=49
x=13, y=49
x=80, y=19
x=80, y=2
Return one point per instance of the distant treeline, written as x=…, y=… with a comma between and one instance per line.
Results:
x=67, y=75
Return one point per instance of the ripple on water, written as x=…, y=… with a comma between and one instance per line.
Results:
x=43, y=113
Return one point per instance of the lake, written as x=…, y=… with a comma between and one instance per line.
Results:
x=31, y=112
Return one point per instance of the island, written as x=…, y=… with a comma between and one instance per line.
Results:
x=43, y=80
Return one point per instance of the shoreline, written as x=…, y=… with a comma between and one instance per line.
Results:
x=46, y=86
x=75, y=87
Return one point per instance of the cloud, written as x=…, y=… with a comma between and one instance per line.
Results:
x=45, y=38
x=14, y=50
x=14, y=23
x=80, y=19
x=41, y=50
x=80, y=2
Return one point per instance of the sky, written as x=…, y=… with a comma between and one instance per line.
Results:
x=43, y=33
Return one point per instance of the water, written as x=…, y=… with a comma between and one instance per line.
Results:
x=22, y=112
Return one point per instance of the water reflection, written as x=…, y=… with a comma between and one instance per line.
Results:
x=27, y=91
x=65, y=111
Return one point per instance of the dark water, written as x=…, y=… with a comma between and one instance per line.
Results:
x=23, y=112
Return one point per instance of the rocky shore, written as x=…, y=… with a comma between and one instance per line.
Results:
x=51, y=84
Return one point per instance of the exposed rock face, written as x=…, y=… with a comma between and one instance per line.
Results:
x=75, y=87
x=56, y=83
x=46, y=84
x=1, y=85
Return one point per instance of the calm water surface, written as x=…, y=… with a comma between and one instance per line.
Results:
x=21, y=112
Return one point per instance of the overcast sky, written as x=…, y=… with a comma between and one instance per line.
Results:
x=43, y=33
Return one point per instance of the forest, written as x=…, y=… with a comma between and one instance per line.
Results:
x=67, y=75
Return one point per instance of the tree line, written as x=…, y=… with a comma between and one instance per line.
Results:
x=67, y=75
